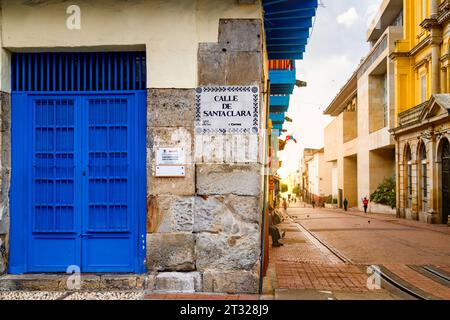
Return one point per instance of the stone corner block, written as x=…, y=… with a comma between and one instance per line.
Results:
x=171, y=107
x=171, y=251
x=227, y=252
x=183, y=186
x=178, y=282
x=241, y=34
x=169, y=213
x=238, y=179
x=231, y=282
x=170, y=137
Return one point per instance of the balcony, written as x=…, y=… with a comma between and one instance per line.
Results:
x=282, y=76
x=279, y=103
x=411, y=116
x=277, y=126
x=277, y=118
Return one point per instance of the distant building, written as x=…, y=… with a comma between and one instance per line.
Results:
x=319, y=177
x=304, y=181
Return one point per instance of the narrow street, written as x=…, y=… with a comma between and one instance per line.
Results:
x=327, y=252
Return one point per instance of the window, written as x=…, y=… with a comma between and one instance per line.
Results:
x=399, y=19
x=423, y=88
x=424, y=177
x=409, y=177
x=385, y=101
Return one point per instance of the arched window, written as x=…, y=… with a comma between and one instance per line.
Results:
x=408, y=159
x=423, y=177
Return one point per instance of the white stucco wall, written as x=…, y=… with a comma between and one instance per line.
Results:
x=334, y=180
x=313, y=175
x=169, y=30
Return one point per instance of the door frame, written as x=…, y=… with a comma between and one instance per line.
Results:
x=21, y=144
x=443, y=206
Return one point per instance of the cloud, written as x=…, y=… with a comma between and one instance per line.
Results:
x=348, y=18
x=371, y=11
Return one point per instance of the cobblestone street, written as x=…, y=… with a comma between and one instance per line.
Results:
x=326, y=255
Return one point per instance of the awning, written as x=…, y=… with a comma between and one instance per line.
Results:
x=287, y=24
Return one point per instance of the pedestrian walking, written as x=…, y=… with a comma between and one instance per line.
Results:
x=285, y=205
x=365, y=204
x=345, y=204
x=313, y=204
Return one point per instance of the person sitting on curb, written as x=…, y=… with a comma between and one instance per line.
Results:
x=273, y=230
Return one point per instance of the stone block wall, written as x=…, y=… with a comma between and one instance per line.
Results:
x=5, y=173
x=203, y=230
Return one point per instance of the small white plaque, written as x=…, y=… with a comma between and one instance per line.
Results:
x=170, y=171
x=170, y=156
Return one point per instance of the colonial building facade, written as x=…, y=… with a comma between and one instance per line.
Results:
x=422, y=107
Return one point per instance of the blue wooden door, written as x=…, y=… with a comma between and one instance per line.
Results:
x=56, y=181
x=83, y=188
x=78, y=182
x=107, y=233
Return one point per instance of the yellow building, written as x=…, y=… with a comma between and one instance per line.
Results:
x=422, y=82
x=422, y=56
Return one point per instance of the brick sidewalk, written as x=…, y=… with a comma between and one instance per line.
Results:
x=304, y=264
x=320, y=277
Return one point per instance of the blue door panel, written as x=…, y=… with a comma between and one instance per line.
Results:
x=78, y=181
x=109, y=253
x=108, y=227
x=53, y=254
x=54, y=238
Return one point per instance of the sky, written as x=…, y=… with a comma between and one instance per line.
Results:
x=336, y=47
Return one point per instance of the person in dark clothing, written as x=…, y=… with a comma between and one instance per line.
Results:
x=365, y=204
x=345, y=204
x=274, y=231
x=313, y=204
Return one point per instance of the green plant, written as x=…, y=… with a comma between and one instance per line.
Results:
x=335, y=201
x=296, y=190
x=283, y=188
x=385, y=193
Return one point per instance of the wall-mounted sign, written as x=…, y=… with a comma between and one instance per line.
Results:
x=170, y=171
x=170, y=162
x=170, y=156
x=230, y=109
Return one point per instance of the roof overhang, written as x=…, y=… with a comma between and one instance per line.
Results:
x=347, y=92
x=387, y=13
x=287, y=24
